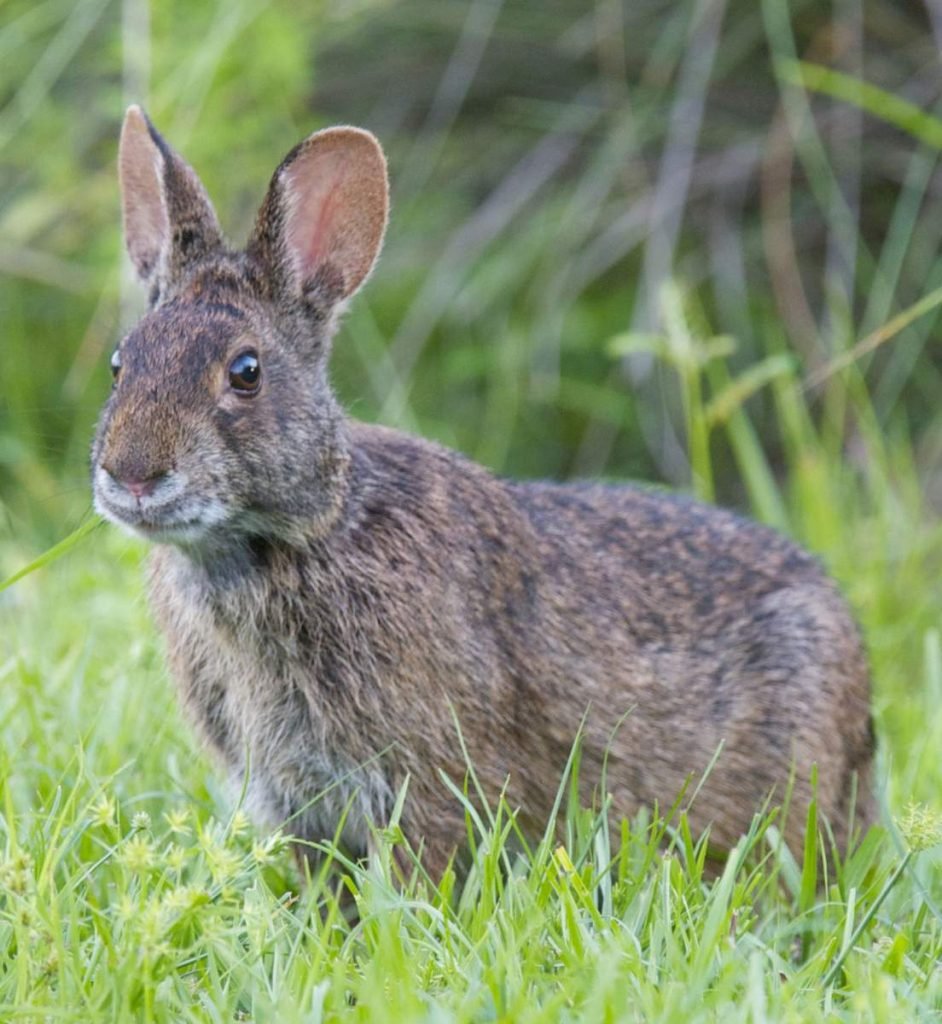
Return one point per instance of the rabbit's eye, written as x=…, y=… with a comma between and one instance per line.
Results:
x=244, y=372
x=115, y=364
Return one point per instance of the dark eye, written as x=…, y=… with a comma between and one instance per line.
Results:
x=115, y=364
x=244, y=372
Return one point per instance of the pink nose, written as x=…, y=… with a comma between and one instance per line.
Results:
x=141, y=488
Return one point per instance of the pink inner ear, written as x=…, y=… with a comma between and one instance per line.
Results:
x=146, y=222
x=330, y=207
x=146, y=227
x=316, y=199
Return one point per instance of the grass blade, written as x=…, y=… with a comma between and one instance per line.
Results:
x=871, y=98
x=54, y=553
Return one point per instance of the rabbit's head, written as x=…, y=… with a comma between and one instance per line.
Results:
x=221, y=420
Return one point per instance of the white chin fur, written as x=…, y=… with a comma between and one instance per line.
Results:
x=168, y=516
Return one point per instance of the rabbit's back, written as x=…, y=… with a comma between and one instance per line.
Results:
x=717, y=633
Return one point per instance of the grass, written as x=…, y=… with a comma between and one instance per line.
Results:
x=636, y=240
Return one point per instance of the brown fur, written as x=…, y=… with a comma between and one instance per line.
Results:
x=333, y=593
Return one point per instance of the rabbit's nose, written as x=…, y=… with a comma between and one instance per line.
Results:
x=138, y=488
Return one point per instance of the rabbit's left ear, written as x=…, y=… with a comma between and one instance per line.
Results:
x=169, y=222
x=321, y=226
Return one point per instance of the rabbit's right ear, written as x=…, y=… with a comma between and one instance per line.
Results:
x=169, y=222
x=321, y=225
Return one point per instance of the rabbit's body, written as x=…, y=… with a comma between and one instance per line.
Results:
x=336, y=595
x=673, y=628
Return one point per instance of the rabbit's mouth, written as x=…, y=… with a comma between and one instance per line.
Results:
x=166, y=514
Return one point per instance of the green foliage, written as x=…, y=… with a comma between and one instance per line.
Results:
x=589, y=271
x=541, y=201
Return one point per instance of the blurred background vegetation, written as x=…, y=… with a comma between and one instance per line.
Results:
x=695, y=242
x=555, y=164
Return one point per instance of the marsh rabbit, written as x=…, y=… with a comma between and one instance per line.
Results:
x=335, y=595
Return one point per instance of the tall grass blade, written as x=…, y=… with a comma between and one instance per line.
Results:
x=54, y=553
x=871, y=98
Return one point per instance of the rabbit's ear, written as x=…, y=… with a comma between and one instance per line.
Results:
x=321, y=225
x=169, y=222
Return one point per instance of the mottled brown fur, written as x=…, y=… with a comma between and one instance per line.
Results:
x=334, y=593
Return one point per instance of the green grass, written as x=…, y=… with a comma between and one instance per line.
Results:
x=587, y=273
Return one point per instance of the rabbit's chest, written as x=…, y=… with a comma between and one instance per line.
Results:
x=260, y=697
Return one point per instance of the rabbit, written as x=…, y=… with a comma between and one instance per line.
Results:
x=339, y=599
